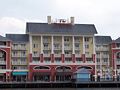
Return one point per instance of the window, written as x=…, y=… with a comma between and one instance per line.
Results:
x=105, y=60
x=35, y=53
x=87, y=53
x=45, y=52
x=77, y=52
x=66, y=39
x=56, y=45
x=45, y=45
x=58, y=59
x=68, y=60
x=35, y=45
x=98, y=59
x=118, y=45
x=78, y=59
x=77, y=45
x=23, y=53
x=118, y=55
x=86, y=46
x=67, y=52
x=15, y=53
x=15, y=45
x=23, y=45
x=86, y=39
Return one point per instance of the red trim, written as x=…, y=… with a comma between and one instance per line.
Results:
x=30, y=57
x=62, y=58
x=73, y=58
x=93, y=57
x=83, y=58
x=52, y=58
x=41, y=58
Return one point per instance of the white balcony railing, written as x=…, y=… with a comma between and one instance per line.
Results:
x=68, y=55
x=2, y=62
x=19, y=63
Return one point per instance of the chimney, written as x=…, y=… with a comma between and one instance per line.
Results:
x=49, y=19
x=72, y=20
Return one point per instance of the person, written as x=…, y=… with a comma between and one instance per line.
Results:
x=98, y=77
x=118, y=77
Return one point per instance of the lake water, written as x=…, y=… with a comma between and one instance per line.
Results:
x=65, y=89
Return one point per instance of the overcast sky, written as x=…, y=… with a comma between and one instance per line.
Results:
x=105, y=14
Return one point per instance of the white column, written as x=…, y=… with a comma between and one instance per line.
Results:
x=52, y=45
x=73, y=45
x=101, y=63
x=94, y=52
x=62, y=44
x=30, y=39
x=41, y=42
x=83, y=45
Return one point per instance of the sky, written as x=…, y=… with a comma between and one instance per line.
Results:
x=104, y=14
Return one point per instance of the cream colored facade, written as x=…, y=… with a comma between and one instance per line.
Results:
x=19, y=56
x=57, y=45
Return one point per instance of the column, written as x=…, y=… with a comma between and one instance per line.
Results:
x=100, y=64
x=41, y=42
x=41, y=55
x=73, y=49
x=94, y=52
x=30, y=55
x=52, y=49
x=83, y=55
x=94, y=58
x=63, y=55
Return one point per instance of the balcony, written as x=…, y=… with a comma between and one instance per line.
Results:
x=57, y=48
x=102, y=49
x=118, y=62
x=68, y=62
x=2, y=62
x=68, y=55
x=18, y=48
x=77, y=55
x=19, y=63
x=35, y=55
x=89, y=61
x=46, y=48
x=67, y=48
x=46, y=55
x=23, y=56
x=57, y=55
x=3, y=46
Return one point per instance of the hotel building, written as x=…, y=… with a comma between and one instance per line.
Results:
x=103, y=55
x=55, y=51
x=115, y=63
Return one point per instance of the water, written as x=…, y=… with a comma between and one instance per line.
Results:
x=64, y=89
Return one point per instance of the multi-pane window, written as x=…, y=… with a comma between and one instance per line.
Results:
x=23, y=53
x=35, y=45
x=46, y=45
x=86, y=46
x=66, y=39
x=86, y=39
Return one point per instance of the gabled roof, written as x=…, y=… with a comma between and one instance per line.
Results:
x=18, y=37
x=4, y=38
x=117, y=40
x=77, y=29
x=103, y=39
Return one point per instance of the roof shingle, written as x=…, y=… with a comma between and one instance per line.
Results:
x=77, y=29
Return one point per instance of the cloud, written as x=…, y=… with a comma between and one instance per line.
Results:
x=11, y=25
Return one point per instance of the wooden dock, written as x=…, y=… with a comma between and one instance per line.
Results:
x=59, y=85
